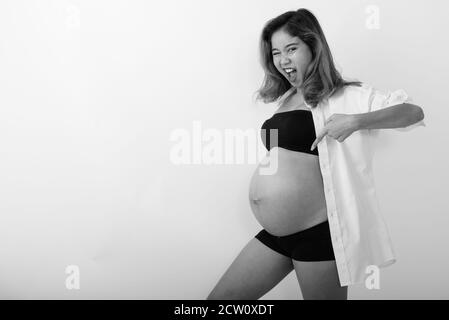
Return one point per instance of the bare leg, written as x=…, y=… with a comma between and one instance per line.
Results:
x=254, y=272
x=319, y=280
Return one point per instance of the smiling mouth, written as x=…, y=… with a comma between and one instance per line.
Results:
x=291, y=74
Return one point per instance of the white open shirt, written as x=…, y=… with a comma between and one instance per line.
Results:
x=360, y=237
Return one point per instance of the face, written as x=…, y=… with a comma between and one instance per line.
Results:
x=290, y=52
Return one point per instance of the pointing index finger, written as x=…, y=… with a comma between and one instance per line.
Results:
x=318, y=139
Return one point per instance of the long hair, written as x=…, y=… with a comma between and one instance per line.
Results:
x=321, y=79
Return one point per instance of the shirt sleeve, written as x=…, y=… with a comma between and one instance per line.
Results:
x=374, y=99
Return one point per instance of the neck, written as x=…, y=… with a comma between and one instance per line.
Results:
x=299, y=93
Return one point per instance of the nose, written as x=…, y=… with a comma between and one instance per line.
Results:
x=284, y=60
x=285, y=64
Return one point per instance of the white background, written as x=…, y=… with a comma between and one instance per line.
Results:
x=90, y=92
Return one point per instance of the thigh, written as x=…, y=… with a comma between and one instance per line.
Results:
x=319, y=280
x=254, y=272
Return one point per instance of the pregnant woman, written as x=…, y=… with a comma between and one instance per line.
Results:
x=290, y=204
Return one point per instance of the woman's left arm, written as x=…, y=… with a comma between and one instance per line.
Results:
x=397, y=116
x=340, y=126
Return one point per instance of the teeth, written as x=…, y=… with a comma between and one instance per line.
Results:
x=289, y=70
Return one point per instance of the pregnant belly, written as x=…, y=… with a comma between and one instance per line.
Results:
x=291, y=198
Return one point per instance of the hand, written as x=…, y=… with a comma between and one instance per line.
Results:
x=338, y=126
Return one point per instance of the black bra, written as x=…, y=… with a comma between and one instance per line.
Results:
x=296, y=131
